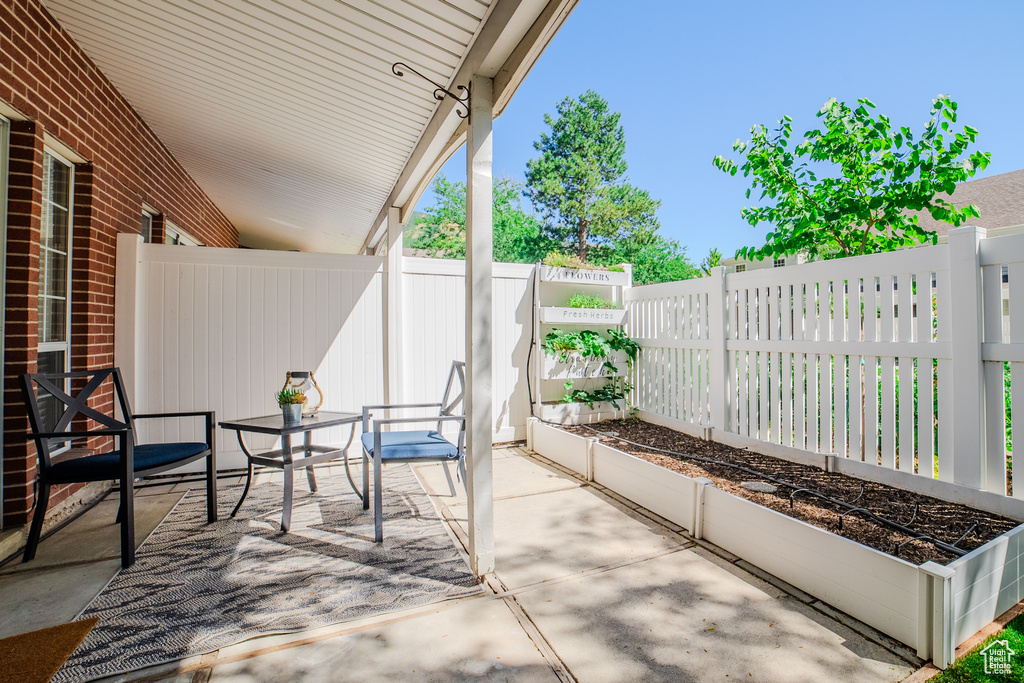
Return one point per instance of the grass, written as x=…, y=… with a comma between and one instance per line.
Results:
x=972, y=666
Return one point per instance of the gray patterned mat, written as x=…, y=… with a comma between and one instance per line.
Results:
x=198, y=587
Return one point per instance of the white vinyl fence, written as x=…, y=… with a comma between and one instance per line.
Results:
x=875, y=359
x=216, y=329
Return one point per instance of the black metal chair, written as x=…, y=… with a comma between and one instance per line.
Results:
x=414, y=446
x=57, y=418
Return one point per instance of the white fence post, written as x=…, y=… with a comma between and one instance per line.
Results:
x=126, y=307
x=719, y=382
x=967, y=383
x=698, y=507
x=935, y=614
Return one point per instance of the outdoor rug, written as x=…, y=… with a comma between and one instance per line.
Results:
x=198, y=587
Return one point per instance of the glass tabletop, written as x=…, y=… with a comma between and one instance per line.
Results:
x=274, y=424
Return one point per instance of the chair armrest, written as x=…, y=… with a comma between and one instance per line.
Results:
x=403, y=405
x=210, y=415
x=200, y=413
x=68, y=436
x=409, y=420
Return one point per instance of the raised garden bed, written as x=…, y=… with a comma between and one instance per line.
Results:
x=931, y=606
x=945, y=521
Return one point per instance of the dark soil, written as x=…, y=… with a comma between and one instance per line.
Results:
x=947, y=522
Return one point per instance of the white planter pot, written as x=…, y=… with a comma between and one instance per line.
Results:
x=583, y=316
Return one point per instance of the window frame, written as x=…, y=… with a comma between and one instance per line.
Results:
x=147, y=212
x=179, y=237
x=65, y=345
x=741, y=268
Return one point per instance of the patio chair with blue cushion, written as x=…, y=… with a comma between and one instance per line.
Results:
x=57, y=418
x=385, y=447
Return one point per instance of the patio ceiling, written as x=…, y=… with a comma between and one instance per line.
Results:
x=286, y=112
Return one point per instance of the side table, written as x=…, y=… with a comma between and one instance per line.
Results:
x=284, y=458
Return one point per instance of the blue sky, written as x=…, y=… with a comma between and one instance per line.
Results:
x=691, y=77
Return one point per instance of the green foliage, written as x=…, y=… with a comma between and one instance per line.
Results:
x=577, y=181
x=654, y=258
x=612, y=391
x=517, y=234
x=579, y=300
x=589, y=344
x=585, y=343
x=557, y=259
x=289, y=396
x=846, y=189
x=712, y=260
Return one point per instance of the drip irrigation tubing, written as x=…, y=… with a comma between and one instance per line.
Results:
x=849, y=507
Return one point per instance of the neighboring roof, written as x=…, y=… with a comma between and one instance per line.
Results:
x=999, y=198
x=287, y=113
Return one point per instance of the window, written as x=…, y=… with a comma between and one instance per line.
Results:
x=147, y=226
x=741, y=267
x=779, y=263
x=172, y=235
x=55, y=274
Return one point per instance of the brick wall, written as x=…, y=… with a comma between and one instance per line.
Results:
x=53, y=84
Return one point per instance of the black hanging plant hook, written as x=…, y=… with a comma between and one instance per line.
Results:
x=440, y=92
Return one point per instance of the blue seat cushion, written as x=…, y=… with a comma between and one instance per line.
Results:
x=417, y=445
x=106, y=466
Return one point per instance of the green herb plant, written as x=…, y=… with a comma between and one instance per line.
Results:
x=589, y=344
x=289, y=397
x=579, y=300
x=559, y=260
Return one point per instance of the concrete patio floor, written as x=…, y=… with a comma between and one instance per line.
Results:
x=587, y=588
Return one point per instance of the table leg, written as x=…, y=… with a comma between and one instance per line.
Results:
x=248, y=477
x=289, y=480
x=307, y=440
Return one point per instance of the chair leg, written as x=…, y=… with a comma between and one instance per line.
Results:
x=448, y=476
x=211, y=486
x=378, y=501
x=366, y=482
x=127, y=522
x=120, y=512
x=37, y=521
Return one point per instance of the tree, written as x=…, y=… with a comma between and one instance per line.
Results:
x=517, y=234
x=657, y=259
x=850, y=188
x=712, y=260
x=577, y=182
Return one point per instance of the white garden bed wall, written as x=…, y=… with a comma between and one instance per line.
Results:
x=669, y=494
x=988, y=582
x=878, y=589
x=932, y=608
x=568, y=450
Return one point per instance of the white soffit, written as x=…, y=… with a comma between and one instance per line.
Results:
x=286, y=111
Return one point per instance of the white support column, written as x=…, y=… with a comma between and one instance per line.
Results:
x=967, y=386
x=126, y=310
x=479, y=254
x=719, y=384
x=393, y=272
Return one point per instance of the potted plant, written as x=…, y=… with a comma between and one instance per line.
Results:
x=291, y=401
